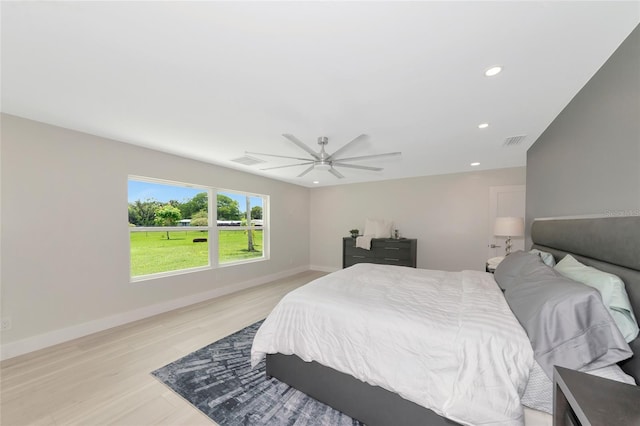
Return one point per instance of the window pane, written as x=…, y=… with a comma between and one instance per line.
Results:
x=232, y=208
x=256, y=211
x=229, y=213
x=154, y=204
x=237, y=209
x=163, y=251
x=234, y=245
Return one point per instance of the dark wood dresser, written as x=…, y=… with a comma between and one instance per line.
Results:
x=387, y=251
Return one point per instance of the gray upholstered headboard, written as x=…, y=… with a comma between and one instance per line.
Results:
x=610, y=244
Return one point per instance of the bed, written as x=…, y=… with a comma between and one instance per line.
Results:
x=610, y=244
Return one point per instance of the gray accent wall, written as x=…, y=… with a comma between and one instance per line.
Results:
x=587, y=162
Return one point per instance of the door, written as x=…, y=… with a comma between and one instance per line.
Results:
x=504, y=201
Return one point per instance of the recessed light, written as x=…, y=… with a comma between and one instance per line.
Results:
x=493, y=71
x=483, y=125
x=316, y=181
x=474, y=164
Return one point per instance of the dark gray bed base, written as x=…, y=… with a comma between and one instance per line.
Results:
x=372, y=405
x=609, y=244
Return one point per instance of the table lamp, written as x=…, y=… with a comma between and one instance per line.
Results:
x=509, y=227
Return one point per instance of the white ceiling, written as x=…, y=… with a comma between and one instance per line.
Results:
x=211, y=80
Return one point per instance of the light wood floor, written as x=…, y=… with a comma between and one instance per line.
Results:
x=104, y=379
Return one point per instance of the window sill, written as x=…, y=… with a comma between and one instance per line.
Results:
x=243, y=262
x=148, y=277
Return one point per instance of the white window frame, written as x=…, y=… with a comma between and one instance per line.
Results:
x=212, y=240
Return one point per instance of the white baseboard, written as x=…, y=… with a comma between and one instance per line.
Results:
x=41, y=341
x=323, y=268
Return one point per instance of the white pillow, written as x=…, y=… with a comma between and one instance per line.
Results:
x=384, y=229
x=611, y=287
x=378, y=228
x=546, y=257
x=370, y=227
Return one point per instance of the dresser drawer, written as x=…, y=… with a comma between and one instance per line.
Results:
x=391, y=244
x=357, y=251
x=392, y=252
x=352, y=260
x=394, y=261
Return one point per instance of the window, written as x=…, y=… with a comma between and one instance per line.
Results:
x=171, y=228
x=240, y=226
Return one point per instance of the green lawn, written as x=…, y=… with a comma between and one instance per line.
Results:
x=152, y=252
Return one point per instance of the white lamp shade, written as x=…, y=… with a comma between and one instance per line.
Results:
x=509, y=227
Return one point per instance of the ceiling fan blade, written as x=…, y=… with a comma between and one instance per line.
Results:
x=288, y=165
x=336, y=173
x=367, y=157
x=273, y=155
x=353, y=166
x=359, y=138
x=306, y=171
x=301, y=145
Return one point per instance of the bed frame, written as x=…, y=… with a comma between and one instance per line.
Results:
x=609, y=244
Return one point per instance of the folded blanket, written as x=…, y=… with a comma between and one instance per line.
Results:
x=364, y=241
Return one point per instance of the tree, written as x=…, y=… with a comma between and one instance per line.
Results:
x=228, y=209
x=195, y=205
x=134, y=215
x=142, y=213
x=167, y=215
x=248, y=209
x=200, y=218
x=256, y=212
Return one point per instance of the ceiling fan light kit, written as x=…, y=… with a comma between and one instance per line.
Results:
x=323, y=165
x=324, y=161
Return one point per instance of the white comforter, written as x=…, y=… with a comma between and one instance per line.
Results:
x=444, y=340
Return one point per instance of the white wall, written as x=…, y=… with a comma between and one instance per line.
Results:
x=448, y=214
x=65, y=239
x=65, y=260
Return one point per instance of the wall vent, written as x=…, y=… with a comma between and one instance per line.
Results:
x=248, y=161
x=514, y=140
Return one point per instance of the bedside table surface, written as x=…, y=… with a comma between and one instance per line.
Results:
x=492, y=264
x=598, y=401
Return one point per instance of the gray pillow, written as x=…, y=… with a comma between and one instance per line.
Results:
x=566, y=321
x=508, y=271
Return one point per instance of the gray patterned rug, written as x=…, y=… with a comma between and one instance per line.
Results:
x=219, y=381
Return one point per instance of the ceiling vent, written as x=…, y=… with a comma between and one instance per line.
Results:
x=248, y=161
x=514, y=140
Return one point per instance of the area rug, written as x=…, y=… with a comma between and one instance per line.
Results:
x=219, y=381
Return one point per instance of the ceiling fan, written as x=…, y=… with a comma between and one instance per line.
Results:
x=324, y=161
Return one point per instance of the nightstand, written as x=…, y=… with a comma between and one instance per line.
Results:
x=493, y=263
x=580, y=399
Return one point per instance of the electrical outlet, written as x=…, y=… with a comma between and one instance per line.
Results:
x=5, y=323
